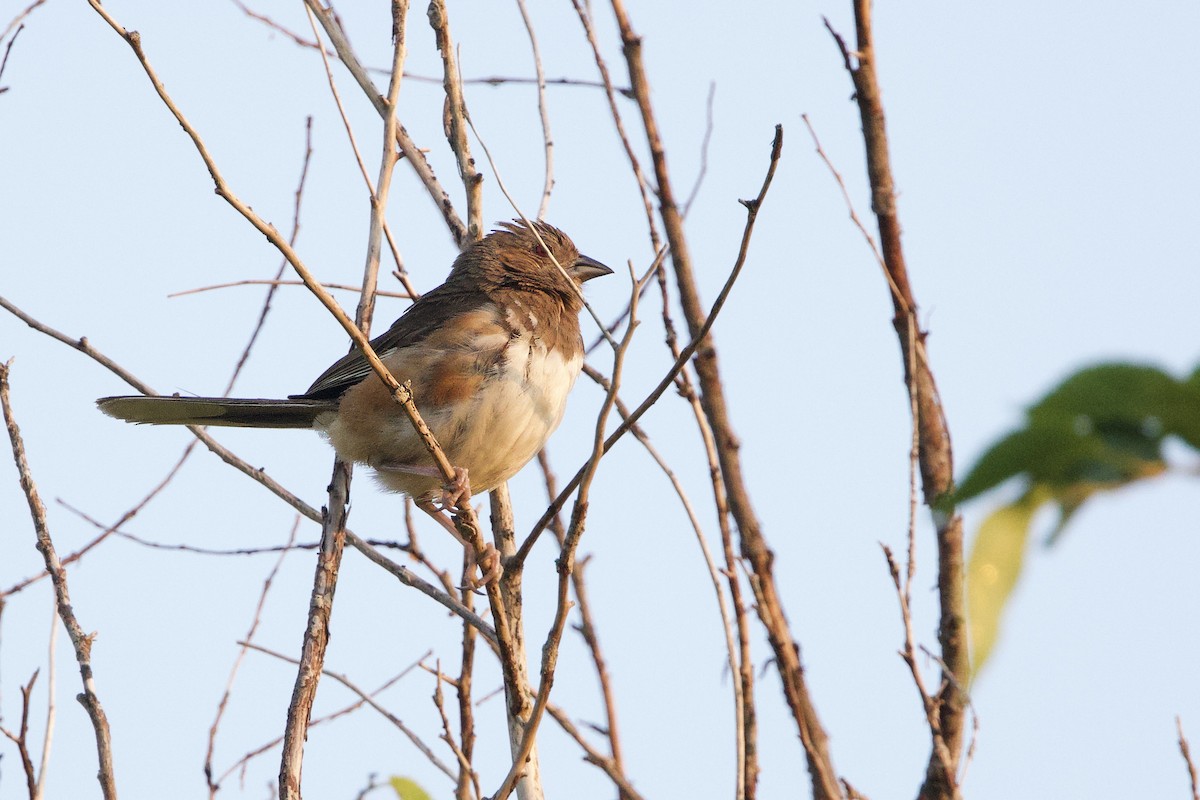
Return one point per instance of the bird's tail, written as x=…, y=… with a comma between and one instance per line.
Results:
x=230, y=412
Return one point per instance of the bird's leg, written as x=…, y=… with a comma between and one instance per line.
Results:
x=488, y=560
x=453, y=493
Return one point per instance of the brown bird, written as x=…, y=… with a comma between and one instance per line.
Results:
x=490, y=355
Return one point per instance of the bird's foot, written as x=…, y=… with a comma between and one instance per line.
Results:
x=486, y=560
x=456, y=491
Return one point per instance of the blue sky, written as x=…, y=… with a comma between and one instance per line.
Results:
x=1045, y=162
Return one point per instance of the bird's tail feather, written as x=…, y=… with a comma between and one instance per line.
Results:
x=225, y=411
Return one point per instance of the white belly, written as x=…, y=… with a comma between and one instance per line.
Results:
x=510, y=418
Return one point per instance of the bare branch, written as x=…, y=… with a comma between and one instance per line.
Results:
x=276, y=282
x=82, y=642
x=213, y=786
x=21, y=739
x=18, y=19
x=241, y=763
x=753, y=544
x=367, y=698
x=51, y=707
x=412, y=154
x=585, y=19
x=1185, y=750
x=543, y=114
x=935, y=452
x=455, y=118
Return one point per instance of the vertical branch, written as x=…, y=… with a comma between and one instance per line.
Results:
x=412, y=154
x=333, y=530
x=612, y=765
x=316, y=632
x=51, y=709
x=1186, y=752
x=387, y=166
x=585, y=18
x=547, y=139
x=935, y=453
x=81, y=641
x=455, y=120
x=467, y=779
x=753, y=545
x=21, y=737
x=214, y=787
x=518, y=705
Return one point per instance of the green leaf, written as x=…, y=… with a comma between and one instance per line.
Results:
x=1133, y=396
x=993, y=569
x=1110, y=391
x=408, y=789
x=1053, y=451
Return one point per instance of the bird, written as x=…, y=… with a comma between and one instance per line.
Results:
x=490, y=356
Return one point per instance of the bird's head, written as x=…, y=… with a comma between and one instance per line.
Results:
x=523, y=257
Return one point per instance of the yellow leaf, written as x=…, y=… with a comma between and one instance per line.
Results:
x=993, y=569
x=408, y=789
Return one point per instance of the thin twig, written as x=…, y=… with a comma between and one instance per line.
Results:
x=857, y=220
x=213, y=786
x=464, y=763
x=367, y=698
x=82, y=642
x=543, y=113
x=494, y=80
x=18, y=19
x=585, y=18
x=21, y=738
x=587, y=629
x=260, y=323
x=455, y=118
x=412, y=154
x=241, y=763
x=51, y=707
x=715, y=576
x=704, y=143
x=908, y=653
x=276, y=282
x=594, y=756
x=7, y=50
x=1185, y=750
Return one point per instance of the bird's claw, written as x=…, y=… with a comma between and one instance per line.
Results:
x=456, y=490
x=488, y=563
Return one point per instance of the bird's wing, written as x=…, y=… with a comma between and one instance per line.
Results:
x=434, y=311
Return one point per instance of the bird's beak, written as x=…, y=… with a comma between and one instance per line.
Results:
x=584, y=269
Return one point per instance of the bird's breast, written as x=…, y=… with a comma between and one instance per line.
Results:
x=513, y=412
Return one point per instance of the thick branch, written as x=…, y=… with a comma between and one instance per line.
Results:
x=935, y=454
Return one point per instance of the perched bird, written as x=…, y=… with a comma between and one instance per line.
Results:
x=490, y=355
